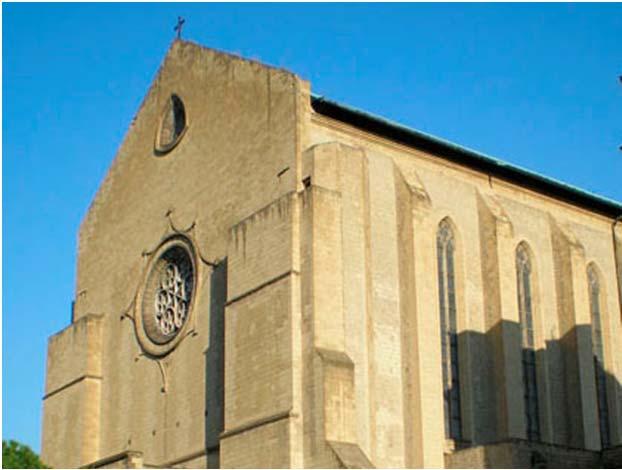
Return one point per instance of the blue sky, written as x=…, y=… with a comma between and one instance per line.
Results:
x=535, y=85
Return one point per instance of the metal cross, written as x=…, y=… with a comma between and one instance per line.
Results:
x=180, y=24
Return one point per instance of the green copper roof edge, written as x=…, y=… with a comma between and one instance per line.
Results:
x=474, y=153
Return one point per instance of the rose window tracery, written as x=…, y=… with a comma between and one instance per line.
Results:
x=168, y=292
x=172, y=298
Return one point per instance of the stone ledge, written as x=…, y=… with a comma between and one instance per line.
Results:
x=350, y=455
x=126, y=458
x=257, y=423
x=520, y=453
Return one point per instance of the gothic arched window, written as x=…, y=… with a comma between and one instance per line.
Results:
x=449, y=338
x=525, y=310
x=599, y=355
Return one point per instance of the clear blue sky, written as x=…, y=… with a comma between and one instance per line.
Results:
x=535, y=85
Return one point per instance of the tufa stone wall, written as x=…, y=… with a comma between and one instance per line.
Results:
x=314, y=338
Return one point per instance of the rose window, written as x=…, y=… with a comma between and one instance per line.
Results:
x=167, y=298
x=173, y=297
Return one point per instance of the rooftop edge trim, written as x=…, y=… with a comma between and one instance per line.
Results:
x=464, y=156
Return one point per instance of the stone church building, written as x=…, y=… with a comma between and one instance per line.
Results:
x=267, y=278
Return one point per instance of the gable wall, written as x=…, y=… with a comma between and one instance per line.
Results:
x=238, y=155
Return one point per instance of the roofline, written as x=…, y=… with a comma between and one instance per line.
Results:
x=464, y=156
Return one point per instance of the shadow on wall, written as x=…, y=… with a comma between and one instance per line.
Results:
x=563, y=400
x=214, y=365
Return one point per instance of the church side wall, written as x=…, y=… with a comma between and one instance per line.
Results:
x=388, y=300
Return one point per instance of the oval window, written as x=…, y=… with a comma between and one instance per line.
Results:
x=172, y=125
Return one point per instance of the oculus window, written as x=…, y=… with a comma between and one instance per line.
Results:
x=165, y=303
x=172, y=125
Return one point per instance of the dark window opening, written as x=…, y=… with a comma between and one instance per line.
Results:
x=599, y=356
x=525, y=308
x=172, y=124
x=449, y=336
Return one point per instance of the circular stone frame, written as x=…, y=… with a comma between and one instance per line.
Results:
x=154, y=342
x=174, y=107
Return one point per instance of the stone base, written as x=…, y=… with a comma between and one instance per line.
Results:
x=517, y=453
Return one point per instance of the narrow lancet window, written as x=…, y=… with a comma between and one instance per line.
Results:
x=449, y=338
x=599, y=355
x=525, y=308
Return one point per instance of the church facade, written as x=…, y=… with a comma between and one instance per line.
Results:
x=267, y=278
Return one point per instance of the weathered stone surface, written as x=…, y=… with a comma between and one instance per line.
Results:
x=313, y=338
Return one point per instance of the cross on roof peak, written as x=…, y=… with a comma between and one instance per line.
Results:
x=178, y=26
